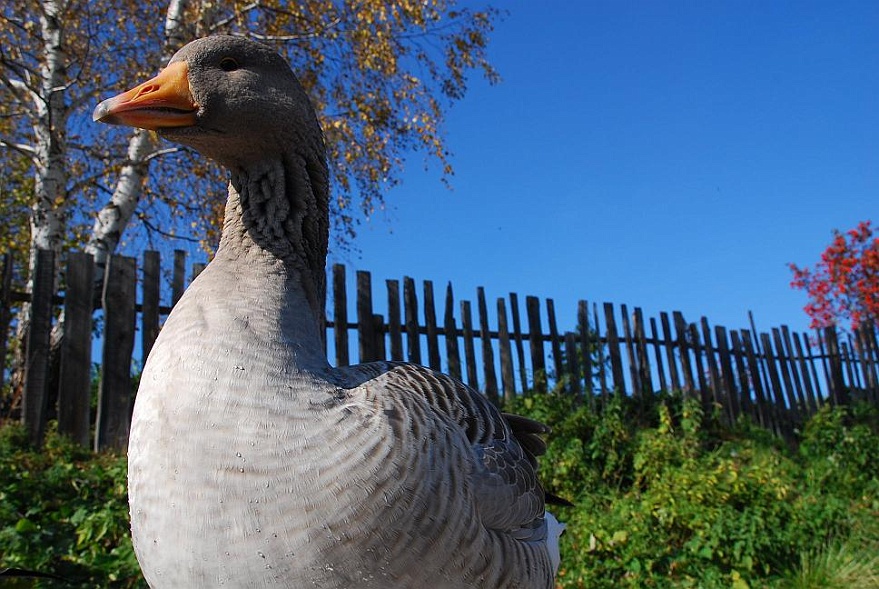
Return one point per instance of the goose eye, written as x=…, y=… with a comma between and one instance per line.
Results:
x=228, y=64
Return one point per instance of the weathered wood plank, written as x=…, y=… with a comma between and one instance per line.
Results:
x=711, y=361
x=115, y=388
x=517, y=338
x=704, y=389
x=838, y=390
x=764, y=407
x=727, y=378
x=644, y=373
x=365, y=326
x=573, y=366
x=777, y=405
x=340, y=316
x=585, y=337
x=75, y=383
x=469, y=348
x=657, y=351
x=35, y=399
x=630, y=351
x=453, y=356
x=378, y=324
x=613, y=350
x=508, y=380
x=151, y=302
x=793, y=367
x=744, y=380
x=178, y=278
x=684, y=351
x=602, y=369
x=490, y=378
x=670, y=352
x=433, y=352
x=554, y=341
x=535, y=339
x=783, y=363
x=410, y=318
x=395, y=326
x=811, y=402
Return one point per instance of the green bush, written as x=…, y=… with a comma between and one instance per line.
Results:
x=668, y=497
x=665, y=496
x=64, y=510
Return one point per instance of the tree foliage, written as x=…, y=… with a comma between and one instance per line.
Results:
x=381, y=74
x=844, y=284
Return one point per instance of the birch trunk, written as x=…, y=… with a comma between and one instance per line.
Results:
x=116, y=214
x=51, y=208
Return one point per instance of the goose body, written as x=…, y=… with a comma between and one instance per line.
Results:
x=252, y=461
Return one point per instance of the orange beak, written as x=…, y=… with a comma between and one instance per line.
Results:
x=165, y=101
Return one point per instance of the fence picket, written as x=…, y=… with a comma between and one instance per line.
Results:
x=555, y=342
x=410, y=318
x=395, y=327
x=469, y=349
x=517, y=338
x=535, y=340
x=178, y=278
x=771, y=377
x=433, y=353
x=508, y=381
x=630, y=351
x=490, y=378
x=74, y=391
x=453, y=357
x=35, y=400
x=114, y=390
x=613, y=350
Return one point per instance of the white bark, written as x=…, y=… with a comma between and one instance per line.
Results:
x=50, y=207
x=116, y=214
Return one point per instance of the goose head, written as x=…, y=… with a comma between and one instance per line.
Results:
x=237, y=102
x=232, y=99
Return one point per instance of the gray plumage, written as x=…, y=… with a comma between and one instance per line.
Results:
x=252, y=462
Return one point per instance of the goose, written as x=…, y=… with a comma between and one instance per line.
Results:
x=252, y=461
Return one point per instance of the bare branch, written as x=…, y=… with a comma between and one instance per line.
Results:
x=23, y=149
x=152, y=228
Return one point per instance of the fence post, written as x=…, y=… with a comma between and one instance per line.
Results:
x=487, y=351
x=74, y=392
x=433, y=353
x=453, y=357
x=35, y=399
x=613, y=347
x=114, y=393
x=838, y=390
x=508, y=381
x=410, y=314
x=535, y=337
x=395, y=328
x=469, y=350
x=365, y=325
x=151, y=300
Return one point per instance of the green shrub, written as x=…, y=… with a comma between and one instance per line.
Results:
x=64, y=510
x=665, y=496
x=668, y=497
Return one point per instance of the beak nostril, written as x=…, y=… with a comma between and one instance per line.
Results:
x=148, y=89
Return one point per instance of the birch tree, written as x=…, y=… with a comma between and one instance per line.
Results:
x=381, y=75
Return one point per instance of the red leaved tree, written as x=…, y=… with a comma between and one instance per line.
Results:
x=844, y=284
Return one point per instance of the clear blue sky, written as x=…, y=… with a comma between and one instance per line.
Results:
x=667, y=155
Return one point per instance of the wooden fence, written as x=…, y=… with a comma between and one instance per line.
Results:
x=777, y=378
